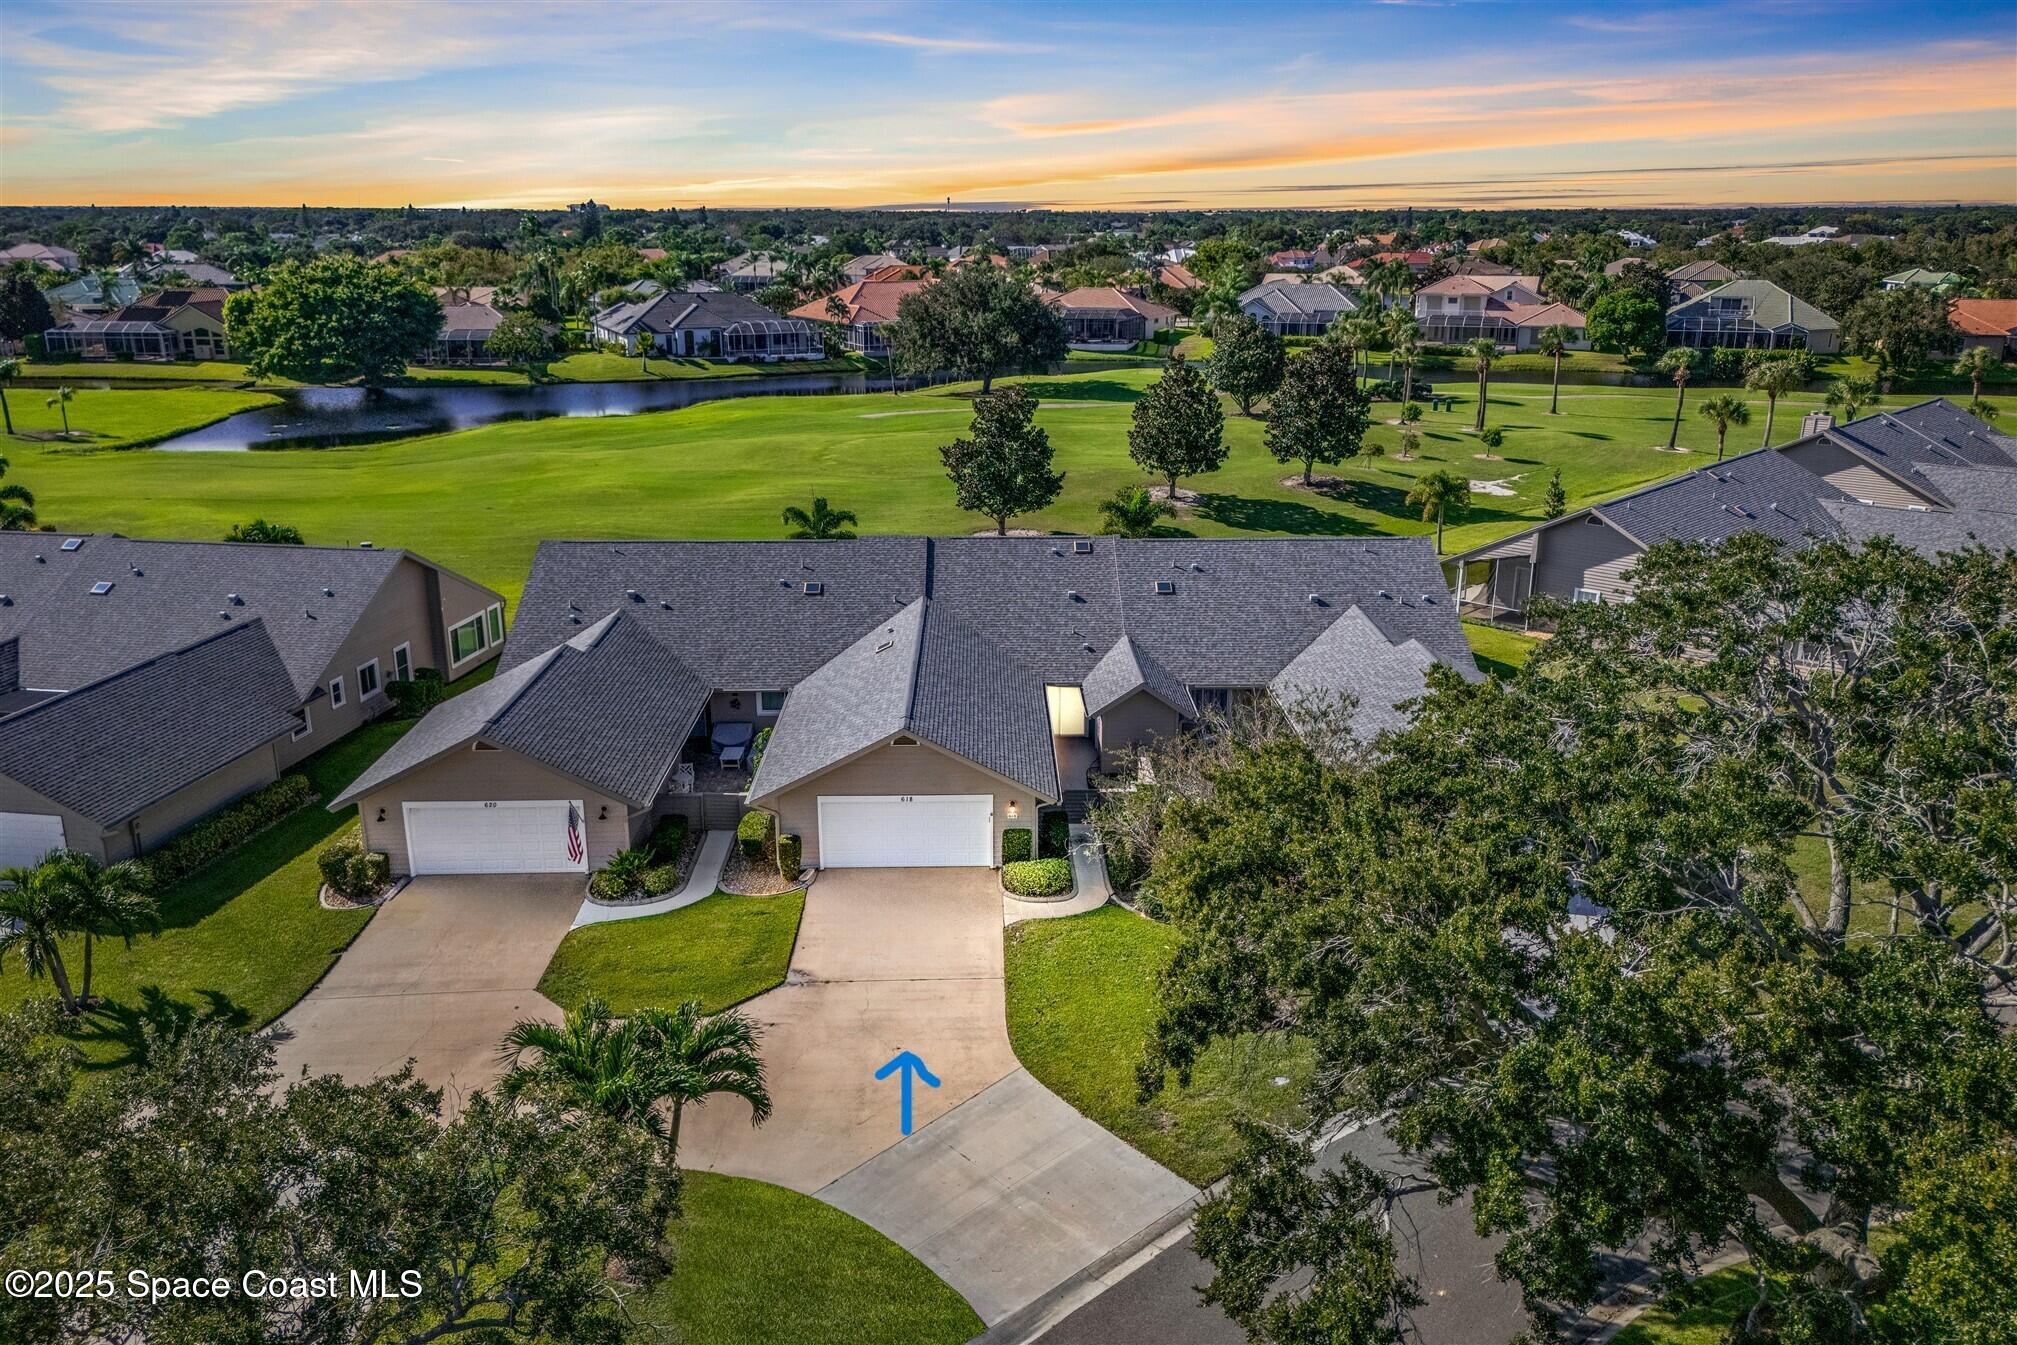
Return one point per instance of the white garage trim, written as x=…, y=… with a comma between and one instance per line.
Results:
x=25, y=838
x=499, y=836
x=905, y=831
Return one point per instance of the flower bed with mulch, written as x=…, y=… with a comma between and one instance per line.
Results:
x=758, y=877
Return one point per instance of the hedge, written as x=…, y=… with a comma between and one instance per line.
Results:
x=1015, y=844
x=414, y=696
x=351, y=871
x=1055, y=836
x=753, y=834
x=227, y=830
x=790, y=852
x=667, y=839
x=1037, y=877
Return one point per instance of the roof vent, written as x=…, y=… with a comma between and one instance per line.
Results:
x=6, y=601
x=1317, y=600
x=1429, y=598
x=224, y=616
x=234, y=600
x=1082, y=548
x=41, y=559
x=1074, y=595
x=665, y=604
x=1165, y=586
x=364, y=546
x=72, y=543
x=814, y=587
x=328, y=592
x=633, y=595
x=102, y=587
x=308, y=614
x=136, y=570
x=1197, y=568
x=1388, y=596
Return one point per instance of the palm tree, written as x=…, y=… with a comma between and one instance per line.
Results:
x=1554, y=341
x=1482, y=352
x=1358, y=333
x=1851, y=395
x=1774, y=378
x=1985, y=412
x=697, y=1055
x=9, y=368
x=17, y=505
x=1397, y=325
x=1970, y=364
x=33, y=917
x=1408, y=349
x=821, y=524
x=593, y=1061
x=1679, y=365
x=1435, y=494
x=108, y=897
x=1723, y=412
x=62, y=400
x=1132, y=512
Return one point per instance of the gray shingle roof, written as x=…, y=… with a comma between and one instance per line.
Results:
x=111, y=747
x=610, y=707
x=925, y=673
x=1126, y=669
x=1760, y=491
x=1933, y=433
x=1770, y=306
x=1353, y=658
x=165, y=595
x=1296, y=298
x=683, y=310
x=1985, y=513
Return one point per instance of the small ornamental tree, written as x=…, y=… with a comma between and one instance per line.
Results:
x=1003, y=466
x=1627, y=322
x=1320, y=414
x=1557, y=502
x=1179, y=427
x=1247, y=361
x=260, y=530
x=521, y=339
x=978, y=322
x=332, y=320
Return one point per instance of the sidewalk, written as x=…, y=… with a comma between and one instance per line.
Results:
x=1089, y=886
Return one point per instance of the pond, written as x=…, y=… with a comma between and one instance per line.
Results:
x=327, y=417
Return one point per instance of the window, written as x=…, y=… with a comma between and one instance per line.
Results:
x=307, y=726
x=367, y=678
x=468, y=640
x=402, y=663
x=1068, y=711
x=1587, y=595
x=336, y=693
x=496, y=623
x=769, y=702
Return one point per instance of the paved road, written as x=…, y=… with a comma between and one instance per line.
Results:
x=1158, y=1304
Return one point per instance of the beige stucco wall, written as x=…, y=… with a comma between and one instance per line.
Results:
x=1132, y=722
x=155, y=823
x=922, y=769
x=79, y=832
x=1847, y=472
x=469, y=776
x=1583, y=554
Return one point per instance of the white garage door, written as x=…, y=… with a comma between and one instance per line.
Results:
x=26, y=837
x=509, y=836
x=903, y=831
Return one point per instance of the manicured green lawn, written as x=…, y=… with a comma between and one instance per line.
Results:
x=103, y=418
x=719, y=951
x=241, y=940
x=1497, y=650
x=757, y=1264
x=83, y=372
x=1081, y=1002
x=1701, y=1316
x=726, y=469
x=597, y=366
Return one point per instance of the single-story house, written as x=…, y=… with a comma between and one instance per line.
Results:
x=1102, y=317
x=923, y=695
x=1297, y=308
x=862, y=310
x=1986, y=323
x=164, y=325
x=1505, y=309
x=1747, y=313
x=468, y=317
x=1920, y=277
x=1177, y=276
x=1931, y=458
x=42, y=254
x=144, y=684
x=754, y=271
x=861, y=268
x=1984, y=514
x=717, y=323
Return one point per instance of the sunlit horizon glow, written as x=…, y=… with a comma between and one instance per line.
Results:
x=904, y=106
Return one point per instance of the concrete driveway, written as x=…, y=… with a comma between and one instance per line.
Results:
x=1002, y=1189
x=439, y=975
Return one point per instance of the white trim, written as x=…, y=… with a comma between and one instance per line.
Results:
x=402, y=653
x=940, y=834
x=1587, y=596
x=336, y=698
x=377, y=682
x=482, y=620
x=492, y=805
x=307, y=726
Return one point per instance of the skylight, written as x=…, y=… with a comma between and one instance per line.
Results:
x=102, y=587
x=72, y=543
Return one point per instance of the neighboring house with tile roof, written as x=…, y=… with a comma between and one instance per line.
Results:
x=1300, y=307
x=1924, y=460
x=145, y=683
x=1177, y=276
x=1921, y=278
x=166, y=324
x=1293, y=259
x=42, y=254
x=1989, y=324
x=1748, y=313
x=1101, y=317
x=1505, y=309
x=923, y=695
x=719, y=324
x=861, y=268
x=862, y=311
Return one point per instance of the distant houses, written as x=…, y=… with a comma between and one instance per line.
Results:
x=1988, y=324
x=718, y=324
x=1100, y=317
x=1918, y=277
x=1297, y=308
x=42, y=254
x=862, y=311
x=754, y=271
x=165, y=325
x=1752, y=313
x=1506, y=310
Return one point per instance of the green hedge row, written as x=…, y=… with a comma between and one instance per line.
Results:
x=1015, y=844
x=227, y=830
x=1054, y=840
x=1037, y=877
x=351, y=871
x=753, y=834
x=790, y=855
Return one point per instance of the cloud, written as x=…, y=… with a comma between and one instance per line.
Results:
x=920, y=42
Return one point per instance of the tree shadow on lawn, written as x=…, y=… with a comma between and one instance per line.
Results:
x=1079, y=389
x=191, y=900
x=126, y=1026
x=1287, y=516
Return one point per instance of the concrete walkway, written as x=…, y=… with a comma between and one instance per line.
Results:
x=1089, y=885
x=702, y=882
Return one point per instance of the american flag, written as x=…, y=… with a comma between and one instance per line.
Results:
x=574, y=847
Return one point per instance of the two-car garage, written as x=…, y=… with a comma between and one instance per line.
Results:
x=499, y=836
x=862, y=831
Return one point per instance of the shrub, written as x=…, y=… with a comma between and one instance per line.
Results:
x=414, y=696
x=1493, y=437
x=660, y=880
x=621, y=876
x=667, y=839
x=1037, y=877
x=758, y=744
x=1015, y=844
x=1726, y=364
x=1124, y=869
x=1054, y=839
x=753, y=834
x=1382, y=389
x=351, y=871
x=231, y=828
x=790, y=851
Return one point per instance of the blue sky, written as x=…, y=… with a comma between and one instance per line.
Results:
x=1114, y=104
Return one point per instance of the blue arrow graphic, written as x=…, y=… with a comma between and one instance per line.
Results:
x=908, y=1062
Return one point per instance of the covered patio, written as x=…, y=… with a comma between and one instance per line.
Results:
x=108, y=337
